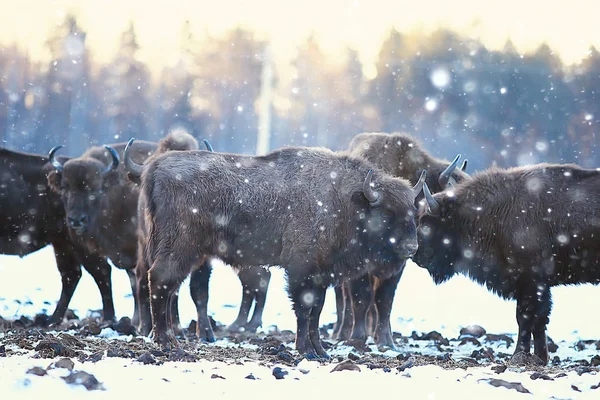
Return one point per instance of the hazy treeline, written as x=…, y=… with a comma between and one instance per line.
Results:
x=452, y=92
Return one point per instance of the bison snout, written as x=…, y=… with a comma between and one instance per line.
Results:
x=78, y=221
x=410, y=248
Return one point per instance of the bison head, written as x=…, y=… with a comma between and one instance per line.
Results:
x=81, y=183
x=390, y=218
x=438, y=244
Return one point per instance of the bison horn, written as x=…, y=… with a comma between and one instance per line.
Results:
x=463, y=167
x=434, y=206
x=447, y=173
x=55, y=163
x=371, y=195
x=207, y=144
x=115, y=160
x=130, y=165
x=419, y=186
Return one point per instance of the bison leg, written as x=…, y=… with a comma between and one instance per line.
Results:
x=247, y=297
x=313, y=322
x=348, y=321
x=526, y=302
x=174, y=314
x=70, y=274
x=362, y=297
x=101, y=270
x=143, y=298
x=339, y=311
x=542, y=312
x=260, y=298
x=304, y=296
x=164, y=280
x=135, y=321
x=384, y=298
x=199, y=292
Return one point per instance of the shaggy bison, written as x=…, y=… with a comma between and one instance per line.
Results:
x=254, y=280
x=175, y=141
x=100, y=204
x=324, y=217
x=403, y=156
x=518, y=231
x=32, y=217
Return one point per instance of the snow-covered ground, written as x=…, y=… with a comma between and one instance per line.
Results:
x=31, y=285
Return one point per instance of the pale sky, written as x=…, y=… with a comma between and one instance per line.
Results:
x=570, y=27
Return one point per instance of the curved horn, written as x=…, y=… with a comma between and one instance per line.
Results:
x=115, y=160
x=463, y=167
x=371, y=195
x=447, y=173
x=434, y=206
x=130, y=165
x=55, y=163
x=207, y=144
x=419, y=186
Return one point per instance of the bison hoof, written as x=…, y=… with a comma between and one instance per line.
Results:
x=385, y=347
x=235, y=328
x=253, y=327
x=315, y=357
x=525, y=359
x=358, y=344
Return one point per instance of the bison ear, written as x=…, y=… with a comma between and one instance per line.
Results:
x=54, y=181
x=133, y=178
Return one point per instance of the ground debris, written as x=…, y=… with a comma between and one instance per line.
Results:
x=55, y=347
x=83, y=378
x=279, y=373
x=38, y=371
x=65, y=363
x=347, y=365
x=509, y=385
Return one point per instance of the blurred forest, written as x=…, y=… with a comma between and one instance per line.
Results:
x=450, y=91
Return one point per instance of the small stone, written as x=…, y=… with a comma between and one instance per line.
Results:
x=537, y=375
x=583, y=370
x=93, y=328
x=552, y=347
x=285, y=356
x=353, y=356
x=575, y=388
x=473, y=330
x=595, y=361
x=65, y=363
x=347, y=365
x=251, y=377
x=215, y=376
x=406, y=365
x=471, y=340
x=594, y=387
x=38, y=371
x=279, y=373
x=146, y=358
x=499, y=368
x=560, y=375
x=83, y=378
x=509, y=385
x=124, y=326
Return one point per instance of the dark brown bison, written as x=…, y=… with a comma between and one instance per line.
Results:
x=175, y=141
x=101, y=203
x=403, y=156
x=254, y=280
x=32, y=217
x=518, y=231
x=323, y=216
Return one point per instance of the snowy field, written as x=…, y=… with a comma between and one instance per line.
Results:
x=32, y=285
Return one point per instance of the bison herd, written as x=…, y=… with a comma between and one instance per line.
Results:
x=350, y=219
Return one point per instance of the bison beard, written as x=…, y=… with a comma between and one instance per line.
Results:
x=309, y=210
x=368, y=298
x=519, y=232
